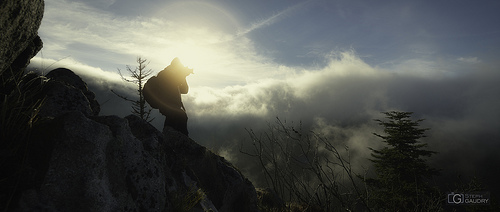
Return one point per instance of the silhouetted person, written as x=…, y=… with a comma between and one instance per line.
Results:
x=164, y=92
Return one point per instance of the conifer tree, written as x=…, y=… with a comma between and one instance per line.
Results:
x=139, y=77
x=400, y=166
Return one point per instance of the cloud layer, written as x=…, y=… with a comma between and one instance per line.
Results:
x=340, y=101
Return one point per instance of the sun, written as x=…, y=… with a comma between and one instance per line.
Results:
x=195, y=28
x=196, y=48
x=193, y=56
x=206, y=46
x=205, y=60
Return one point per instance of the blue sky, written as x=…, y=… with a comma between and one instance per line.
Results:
x=334, y=65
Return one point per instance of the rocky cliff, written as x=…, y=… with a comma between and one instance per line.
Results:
x=58, y=154
x=84, y=162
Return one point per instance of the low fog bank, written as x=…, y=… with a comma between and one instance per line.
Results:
x=458, y=102
x=341, y=100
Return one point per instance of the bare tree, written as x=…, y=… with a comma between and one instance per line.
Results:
x=138, y=76
x=308, y=169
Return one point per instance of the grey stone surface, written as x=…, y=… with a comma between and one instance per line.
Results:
x=224, y=184
x=64, y=92
x=19, y=23
x=98, y=165
x=70, y=78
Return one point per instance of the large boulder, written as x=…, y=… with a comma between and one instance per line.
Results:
x=19, y=23
x=98, y=165
x=65, y=91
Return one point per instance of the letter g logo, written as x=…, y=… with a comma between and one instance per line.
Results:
x=458, y=198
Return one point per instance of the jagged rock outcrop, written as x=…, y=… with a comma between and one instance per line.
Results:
x=19, y=23
x=65, y=91
x=107, y=163
x=224, y=184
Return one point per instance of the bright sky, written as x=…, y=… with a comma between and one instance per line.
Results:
x=237, y=42
x=329, y=63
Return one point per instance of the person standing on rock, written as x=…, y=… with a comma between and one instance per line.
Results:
x=164, y=93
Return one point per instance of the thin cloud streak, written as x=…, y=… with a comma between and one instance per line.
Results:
x=471, y=60
x=272, y=19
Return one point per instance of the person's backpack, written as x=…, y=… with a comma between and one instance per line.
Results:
x=151, y=87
